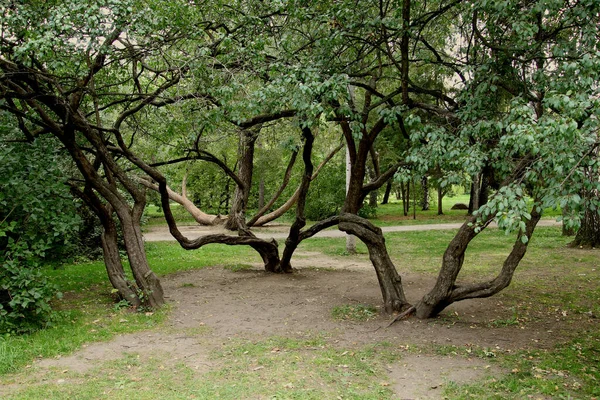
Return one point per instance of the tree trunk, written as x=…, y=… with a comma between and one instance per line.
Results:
x=261, y=193
x=388, y=191
x=446, y=291
x=390, y=282
x=293, y=239
x=145, y=278
x=588, y=234
x=425, y=188
x=350, y=239
x=114, y=267
x=237, y=213
x=373, y=194
x=405, y=194
x=440, y=197
x=480, y=189
x=475, y=194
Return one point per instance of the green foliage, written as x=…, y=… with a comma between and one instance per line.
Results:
x=38, y=220
x=366, y=211
x=327, y=193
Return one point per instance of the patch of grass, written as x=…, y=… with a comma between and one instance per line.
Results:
x=92, y=321
x=168, y=257
x=354, y=312
x=274, y=368
x=238, y=267
x=569, y=371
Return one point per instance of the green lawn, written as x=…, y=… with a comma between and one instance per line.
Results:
x=551, y=277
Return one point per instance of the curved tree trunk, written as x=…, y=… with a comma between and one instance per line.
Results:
x=110, y=246
x=199, y=216
x=293, y=238
x=145, y=278
x=390, y=282
x=114, y=267
x=446, y=291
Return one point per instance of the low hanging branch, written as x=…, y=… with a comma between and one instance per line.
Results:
x=199, y=216
x=268, y=250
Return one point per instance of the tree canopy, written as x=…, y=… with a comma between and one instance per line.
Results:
x=482, y=92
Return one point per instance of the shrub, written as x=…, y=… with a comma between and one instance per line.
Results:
x=38, y=224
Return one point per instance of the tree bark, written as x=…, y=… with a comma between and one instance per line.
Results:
x=405, y=194
x=373, y=194
x=199, y=216
x=390, y=282
x=425, y=188
x=588, y=234
x=446, y=291
x=114, y=267
x=110, y=247
x=261, y=193
x=237, y=213
x=350, y=239
x=293, y=239
x=388, y=191
x=474, y=196
x=440, y=197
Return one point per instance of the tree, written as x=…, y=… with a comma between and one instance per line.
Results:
x=471, y=89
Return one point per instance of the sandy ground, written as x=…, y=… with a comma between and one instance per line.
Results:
x=252, y=304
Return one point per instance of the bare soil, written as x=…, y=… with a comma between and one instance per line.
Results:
x=252, y=304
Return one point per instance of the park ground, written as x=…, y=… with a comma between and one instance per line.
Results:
x=233, y=331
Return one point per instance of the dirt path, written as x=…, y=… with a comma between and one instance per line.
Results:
x=279, y=231
x=213, y=306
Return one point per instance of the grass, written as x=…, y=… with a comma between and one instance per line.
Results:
x=275, y=368
x=354, y=312
x=570, y=370
x=89, y=312
x=552, y=281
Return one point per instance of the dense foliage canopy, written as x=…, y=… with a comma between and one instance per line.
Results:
x=501, y=96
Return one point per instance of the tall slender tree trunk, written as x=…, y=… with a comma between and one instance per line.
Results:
x=388, y=191
x=350, y=239
x=425, y=188
x=475, y=194
x=373, y=194
x=405, y=195
x=261, y=193
x=440, y=197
